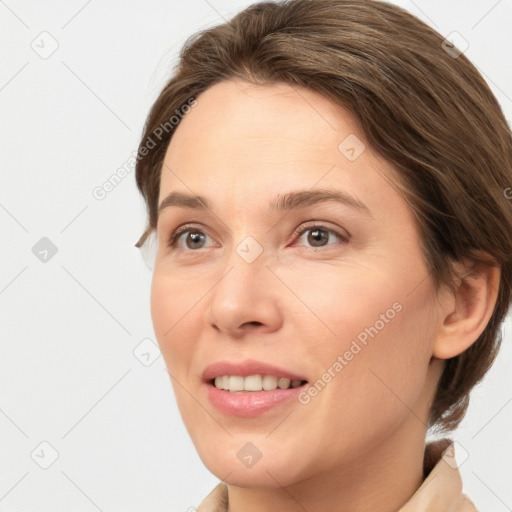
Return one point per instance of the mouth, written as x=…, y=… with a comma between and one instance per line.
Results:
x=251, y=388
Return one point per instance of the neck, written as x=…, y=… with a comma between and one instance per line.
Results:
x=383, y=479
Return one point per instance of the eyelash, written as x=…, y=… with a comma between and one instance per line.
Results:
x=174, y=237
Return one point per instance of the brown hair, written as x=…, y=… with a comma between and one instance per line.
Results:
x=421, y=106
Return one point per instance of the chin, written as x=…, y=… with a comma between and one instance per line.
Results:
x=238, y=463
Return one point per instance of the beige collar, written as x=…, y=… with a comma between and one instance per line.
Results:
x=441, y=490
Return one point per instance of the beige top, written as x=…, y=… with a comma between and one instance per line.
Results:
x=441, y=490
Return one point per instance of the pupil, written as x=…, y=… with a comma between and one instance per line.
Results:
x=195, y=237
x=315, y=234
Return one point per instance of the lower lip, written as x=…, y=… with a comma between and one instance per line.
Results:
x=248, y=404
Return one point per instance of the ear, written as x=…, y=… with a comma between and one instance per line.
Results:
x=466, y=312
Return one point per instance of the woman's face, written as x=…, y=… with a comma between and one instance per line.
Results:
x=334, y=292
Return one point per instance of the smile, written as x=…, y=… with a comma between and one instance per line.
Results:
x=236, y=383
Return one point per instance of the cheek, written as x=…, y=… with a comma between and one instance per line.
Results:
x=341, y=301
x=176, y=318
x=383, y=381
x=374, y=335
x=177, y=322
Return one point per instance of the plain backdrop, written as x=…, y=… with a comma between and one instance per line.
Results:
x=88, y=420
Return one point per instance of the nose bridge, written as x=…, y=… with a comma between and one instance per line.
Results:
x=244, y=271
x=246, y=255
x=243, y=294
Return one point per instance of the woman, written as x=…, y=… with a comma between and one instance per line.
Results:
x=327, y=184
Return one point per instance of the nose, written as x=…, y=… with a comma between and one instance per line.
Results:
x=245, y=299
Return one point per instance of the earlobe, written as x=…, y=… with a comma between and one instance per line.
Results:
x=466, y=312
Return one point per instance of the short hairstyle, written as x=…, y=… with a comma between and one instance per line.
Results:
x=420, y=104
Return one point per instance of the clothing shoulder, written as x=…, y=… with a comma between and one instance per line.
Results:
x=465, y=505
x=216, y=501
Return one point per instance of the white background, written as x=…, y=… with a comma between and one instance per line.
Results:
x=68, y=374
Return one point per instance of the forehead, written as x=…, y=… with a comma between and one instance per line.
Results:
x=239, y=114
x=242, y=138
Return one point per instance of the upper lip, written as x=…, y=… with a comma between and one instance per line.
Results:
x=246, y=368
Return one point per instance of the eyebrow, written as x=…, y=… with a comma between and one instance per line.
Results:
x=288, y=201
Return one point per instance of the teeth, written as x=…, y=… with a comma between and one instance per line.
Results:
x=283, y=383
x=220, y=382
x=252, y=383
x=269, y=382
x=235, y=383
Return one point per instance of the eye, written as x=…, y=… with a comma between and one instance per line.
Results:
x=194, y=240
x=319, y=235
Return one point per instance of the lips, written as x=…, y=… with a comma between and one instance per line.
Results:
x=246, y=368
x=248, y=404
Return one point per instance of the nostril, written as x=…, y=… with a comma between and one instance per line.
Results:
x=254, y=322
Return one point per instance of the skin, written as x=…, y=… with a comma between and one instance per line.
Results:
x=358, y=445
